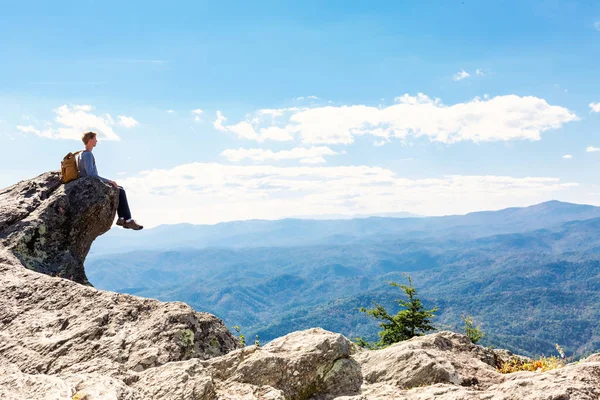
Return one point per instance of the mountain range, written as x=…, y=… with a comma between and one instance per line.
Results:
x=530, y=276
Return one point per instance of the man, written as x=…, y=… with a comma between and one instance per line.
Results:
x=87, y=167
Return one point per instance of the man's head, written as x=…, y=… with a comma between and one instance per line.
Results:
x=89, y=140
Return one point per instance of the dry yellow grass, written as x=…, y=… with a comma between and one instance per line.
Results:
x=541, y=364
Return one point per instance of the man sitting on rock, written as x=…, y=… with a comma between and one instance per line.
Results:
x=87, y=167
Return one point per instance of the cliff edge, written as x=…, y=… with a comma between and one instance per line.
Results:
x=50, y=227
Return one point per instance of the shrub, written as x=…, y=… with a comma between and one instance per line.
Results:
x=414, y=320
x=474, y=333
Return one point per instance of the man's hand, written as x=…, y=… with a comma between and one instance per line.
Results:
x=114, y=183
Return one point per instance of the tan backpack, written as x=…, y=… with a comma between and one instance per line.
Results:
x=68, y=168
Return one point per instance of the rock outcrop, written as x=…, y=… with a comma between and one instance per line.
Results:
x=50, y=227
x=63, y=340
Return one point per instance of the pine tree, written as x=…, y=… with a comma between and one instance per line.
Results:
x=413, y=320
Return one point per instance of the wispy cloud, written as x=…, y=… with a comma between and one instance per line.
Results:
x=308, y=155
x=306, y=98
x=480, y=72
x=47, y=133
x=592, y=149
x=197, y=113
x=567, y=156
x=595, y=107
x=509, y=117
x=211, y=193
x=597, y=25
x=462, y=74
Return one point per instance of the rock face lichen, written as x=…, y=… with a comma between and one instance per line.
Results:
x=50, y=227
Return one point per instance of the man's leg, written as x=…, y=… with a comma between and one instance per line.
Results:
x=124, y=214
x=123, y=209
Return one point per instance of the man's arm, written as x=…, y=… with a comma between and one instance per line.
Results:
x=87, y=158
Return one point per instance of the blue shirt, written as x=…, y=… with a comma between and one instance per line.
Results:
x=87, y=165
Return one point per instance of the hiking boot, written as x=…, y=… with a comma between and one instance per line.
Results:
x=132, y=225
x=120, y=221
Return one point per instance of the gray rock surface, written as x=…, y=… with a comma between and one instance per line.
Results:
x=445, y=357
x=299, y=365
x=50, y=226
x=63, y=340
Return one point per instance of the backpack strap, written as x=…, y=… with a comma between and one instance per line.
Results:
x=73, y=154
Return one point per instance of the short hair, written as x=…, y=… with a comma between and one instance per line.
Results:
x=87, y=137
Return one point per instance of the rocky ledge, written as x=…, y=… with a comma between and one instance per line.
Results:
x=50, y=227
x=60, y=339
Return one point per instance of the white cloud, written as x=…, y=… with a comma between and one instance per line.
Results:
x=244, y=130
x=597, y=25
x=78, y=119
x=299, y=98
x=479, y=72
x=250, y=128
x=219, y=122
x=595, y=107
x=211, y=193
x=74, y=120
x=311, y=155
x=462, y=74
x=592, y=149
x=567, y=156
x=170, y=111
x=127, y=122
x=312, y=97
x=499, y=118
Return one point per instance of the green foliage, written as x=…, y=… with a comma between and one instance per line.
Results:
x=257, y=341
x=413, y=320
x=474, y=333
x=241, y=337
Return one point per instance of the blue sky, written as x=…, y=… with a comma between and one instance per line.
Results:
x=217, y=111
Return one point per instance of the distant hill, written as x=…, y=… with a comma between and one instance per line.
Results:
x=530, y=288
x=296, y=232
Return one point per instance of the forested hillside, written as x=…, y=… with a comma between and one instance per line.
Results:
x=530, y=289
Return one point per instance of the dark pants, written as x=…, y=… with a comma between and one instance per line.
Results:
x=123, y=210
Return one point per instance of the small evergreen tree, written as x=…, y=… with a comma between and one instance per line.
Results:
x=413, y=320
x=474, y=333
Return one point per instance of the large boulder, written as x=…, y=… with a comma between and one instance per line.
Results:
x=444, y=357
x=50, y=227
x=299, y=365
